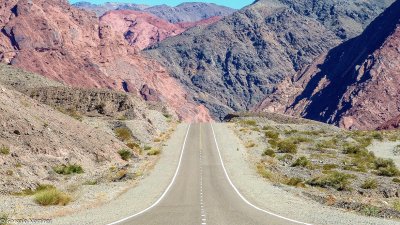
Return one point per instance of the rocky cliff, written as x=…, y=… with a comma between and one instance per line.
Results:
x=73, y=47
x=232, y=64
x=355, y=85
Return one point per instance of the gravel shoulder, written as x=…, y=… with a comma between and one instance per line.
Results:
x=241, y=169
x=140, y=197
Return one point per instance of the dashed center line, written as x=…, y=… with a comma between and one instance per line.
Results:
x=202, y=211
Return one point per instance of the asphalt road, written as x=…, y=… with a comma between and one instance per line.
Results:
x=201, y=193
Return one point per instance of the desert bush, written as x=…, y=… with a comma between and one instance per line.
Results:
x=386, y=167
x=249, y=122
x=337, y=180
x=285, y=157
x=123, y=133
x=396, y=205
x=369, y=184
x=377, y=136
x=154, y=151
x=147, y=148
x=263, y=171
x=353, y=149
x=370, y=210
x=327, y=144
x=271, y=134
x=249, y=144
x=300, y=139
x=296, y=182
x=396, y=180
x=134, y=146
x=267, y=128
x=287, y=146
x=68, y=169
x=302, y=162
x=269, y=152
x=4, y=150
x=125, y=154
x=3, y=219
x=329, y=166
x=51, y=197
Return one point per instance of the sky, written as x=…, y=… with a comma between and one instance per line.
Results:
x=236, y=4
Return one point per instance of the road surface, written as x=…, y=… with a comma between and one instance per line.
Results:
x=201, y=193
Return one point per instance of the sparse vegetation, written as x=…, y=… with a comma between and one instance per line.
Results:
x=296, y=182
x=386, y=167
x=51, y=196
x=269, y=152
x=125, y=154
x=249, y=122
x=3, y=219
x=396, y=205
x=123, y=133
x=370, y=210
x=135, y=147
x=285, y=157
x=154, y=151
x=263, y=171
x=328, y=167
x=337, y=180
x=249, y=144
x=68, y=169
x=4, y=150
x=370, y=184
x=271, y=134
x=396, y=180
x=302, y=162
x=287, y=146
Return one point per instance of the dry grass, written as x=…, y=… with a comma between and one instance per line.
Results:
x=51, y=196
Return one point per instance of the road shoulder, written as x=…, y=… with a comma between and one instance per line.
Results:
x=269, y=197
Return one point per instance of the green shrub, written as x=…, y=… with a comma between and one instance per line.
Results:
x=273, y=143
x=269, y=152
x=377, y=136
x=271, y=134
x=287, y=146
x=125, y=154
x=370, y=210
x=154, y=152
x=327, y=144
x=337, y=180
x=386, y=167
x=302, y=162
x=68, y=169
x=3, y=219
x=123, y=133
x=329, y=166
x=285, y=157
x=147, y=148
x=369, y=184
x=40, y=187
x=51, y=197
x=296, y=182
x=353, y=149
x=4, y=150
x=396, y=180
x=263, y=171
x=267, y=128
x=396, y=205
x=249, y=122
x=300, y=139
x=290, y=132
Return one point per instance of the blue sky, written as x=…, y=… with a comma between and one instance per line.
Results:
x=237, y=4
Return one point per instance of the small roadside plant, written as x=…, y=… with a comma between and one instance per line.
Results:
x=287, y=146
x=4, y=150
x=302, y=162
x=337, y=180
x=51, y=196
x=370, y=210
x=154, y=151
x=296, y=182
x=369, y=184
x=68, y=169
x=269, y=152
x=125, y=154
x=123, y=133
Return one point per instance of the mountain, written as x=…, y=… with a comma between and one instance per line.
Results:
x=142, y=29
x=101, y=9
x=233, y=64
x=185, y=12
x=189, y=12
x=355, y=85
x=71, y=46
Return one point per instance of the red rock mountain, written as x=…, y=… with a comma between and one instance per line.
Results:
x=356, y=85
x=70, y=45
x=143, y=29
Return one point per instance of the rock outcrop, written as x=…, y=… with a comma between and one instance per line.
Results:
x=73, y=47
x=355, y=85
x=141, y=29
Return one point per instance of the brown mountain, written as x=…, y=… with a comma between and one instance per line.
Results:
x=71, y=46
x=143, y=29
x=355, y=85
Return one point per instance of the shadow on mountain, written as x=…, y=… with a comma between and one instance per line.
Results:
x=340, y=65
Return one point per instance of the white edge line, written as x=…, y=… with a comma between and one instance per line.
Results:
x=166, y=190
x=240, y=195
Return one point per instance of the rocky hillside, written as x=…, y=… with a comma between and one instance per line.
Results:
x=232, y=64
x=185, y=12
x=356, y=85
x=141, y=29
x=73, y=47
